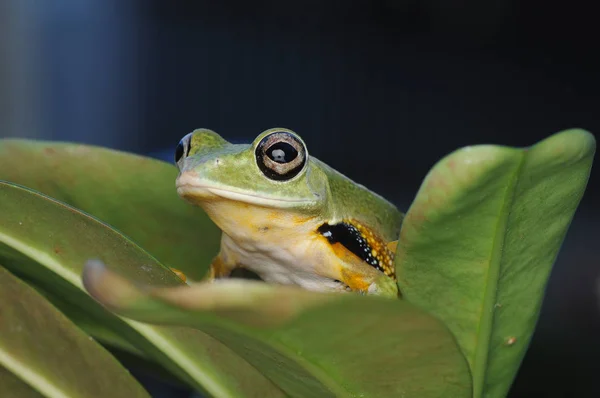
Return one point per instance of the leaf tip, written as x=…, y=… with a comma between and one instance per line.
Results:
x=574, y=144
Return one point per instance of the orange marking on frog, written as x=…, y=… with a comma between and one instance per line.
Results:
x=379, y=248
x=354, y=281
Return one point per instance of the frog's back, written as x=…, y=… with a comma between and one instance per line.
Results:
x=355, y=202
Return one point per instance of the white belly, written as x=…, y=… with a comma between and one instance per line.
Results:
x=287, y=262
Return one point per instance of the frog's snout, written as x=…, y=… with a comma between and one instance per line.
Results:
x=202, y=164
x=190, y=187
x=186, y=178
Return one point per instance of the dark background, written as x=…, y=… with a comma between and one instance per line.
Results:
x=378, y=89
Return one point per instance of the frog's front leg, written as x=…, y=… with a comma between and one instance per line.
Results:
x=219, y=268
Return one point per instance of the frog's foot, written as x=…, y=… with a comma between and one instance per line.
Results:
x=180, y=274
x=385, y=287
x=370, y=283
x=392, y=246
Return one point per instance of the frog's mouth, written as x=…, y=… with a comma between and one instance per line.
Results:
x=198, y=192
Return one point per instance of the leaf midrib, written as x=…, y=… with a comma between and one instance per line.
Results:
x=485, y=329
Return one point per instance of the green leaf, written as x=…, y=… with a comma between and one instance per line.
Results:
x=90, y=325
x=478, y=243
x=309, y=344
x=10, y=383
x=47, y=242
x=134, y=194
x=42, y=353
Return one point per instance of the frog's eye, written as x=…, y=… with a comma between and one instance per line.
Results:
x=183, y=149
x=281, y=156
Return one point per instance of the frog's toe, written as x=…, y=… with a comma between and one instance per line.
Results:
x=341, y=287
x=180, y=274
x=384, y=287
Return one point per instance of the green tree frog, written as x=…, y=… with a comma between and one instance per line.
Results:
x=287, y=216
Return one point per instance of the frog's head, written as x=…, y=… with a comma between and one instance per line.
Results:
x=274, y=172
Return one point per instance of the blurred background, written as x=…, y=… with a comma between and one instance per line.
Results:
x=378, y=89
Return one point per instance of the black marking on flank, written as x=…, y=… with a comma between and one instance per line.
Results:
x=350, y=237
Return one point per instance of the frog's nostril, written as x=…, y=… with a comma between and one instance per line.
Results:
x=217, y=161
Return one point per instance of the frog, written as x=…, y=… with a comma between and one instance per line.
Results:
x=288, y=217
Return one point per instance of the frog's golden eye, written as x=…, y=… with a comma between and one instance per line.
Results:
x=183, y=149
x=281, y=156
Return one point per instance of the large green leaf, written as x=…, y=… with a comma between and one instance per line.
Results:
x=42, y=353
x=478, y=243
x=310, y=344
x=12, y=384
x=47, y=242
x=134, y=194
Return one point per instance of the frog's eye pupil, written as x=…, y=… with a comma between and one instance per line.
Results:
x=281, y=155
x=278, y=155
x=282, y=152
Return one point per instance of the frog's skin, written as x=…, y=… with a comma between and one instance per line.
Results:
x=288, y=217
